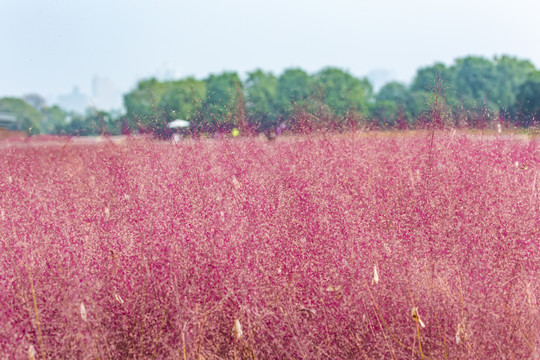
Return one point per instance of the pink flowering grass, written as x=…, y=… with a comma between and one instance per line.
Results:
x=249, y=249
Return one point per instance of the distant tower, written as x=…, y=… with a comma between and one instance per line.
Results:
x=105, y=96
x=76, y=101
x=379, y=77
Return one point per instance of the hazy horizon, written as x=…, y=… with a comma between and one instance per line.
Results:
x=54, y=47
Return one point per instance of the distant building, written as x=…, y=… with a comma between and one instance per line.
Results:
x=10, y=127
x=36, y=100
x=379, y=77
x=9, y=121
x=76, y=101
x=167, y=72
x=105, y=95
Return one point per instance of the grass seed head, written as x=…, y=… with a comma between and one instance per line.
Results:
x=375, y=279
x=32, y=352
x=84, y=313
x=461, y=334
x=235, y=182
x=118, y=298
x=237, y=329
x=416, y=317
x=336, y=288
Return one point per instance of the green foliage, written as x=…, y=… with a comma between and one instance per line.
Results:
x=90, y=124
x=528, y=99
x=182, y=99
x=475, y=82
x=54, y=118
x=142, y=104
x=385, y=113
x=418, y=102
x=222, y=96
x=342, y=92
x=153, y=103
x=511, y=74
x=396, y=102
x=473, y=87
x=295, y=88
x=427, y=77
x=470, y=91
x=28, y=117
x=394, y=91
x=261, y=91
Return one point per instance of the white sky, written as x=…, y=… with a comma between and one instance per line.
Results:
x=49, y=46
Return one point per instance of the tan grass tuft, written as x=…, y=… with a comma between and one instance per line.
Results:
x=84, y=313
x=118, y=298
x=32, y=352
x=416, y=317
x=461, y=334
x=237, y=329
x=375, y=279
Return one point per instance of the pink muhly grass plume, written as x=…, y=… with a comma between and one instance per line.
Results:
x=303, y=247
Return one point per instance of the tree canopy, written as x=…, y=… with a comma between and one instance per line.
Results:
x=470, y=91
x=28, y=117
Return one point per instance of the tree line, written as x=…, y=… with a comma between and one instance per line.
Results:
x=473, y=91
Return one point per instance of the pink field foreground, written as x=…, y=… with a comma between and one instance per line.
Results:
x=300, y=248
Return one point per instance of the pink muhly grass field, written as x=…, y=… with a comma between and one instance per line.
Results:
x=300, y=248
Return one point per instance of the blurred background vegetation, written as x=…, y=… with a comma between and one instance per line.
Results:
x=472, y=92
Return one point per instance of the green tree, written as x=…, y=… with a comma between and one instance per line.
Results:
x=528, y=100
x=294, y=88
x=385, y=113
x=28, y=117
x=261, y=92
x=222, y=97
x=153, y=104
x=475, y=82
x=182, y=99
x=394, y=91
x=432, y=94
x=143, y=104
x=54, y=118
x=342, y=92
x=418, y=103
x=393, y=103
x=92, y=123
x=510, y=73
x=426, y=77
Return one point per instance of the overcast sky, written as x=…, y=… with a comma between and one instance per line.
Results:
x=49, y=46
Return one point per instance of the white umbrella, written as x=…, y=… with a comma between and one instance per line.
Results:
x=178, y=124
